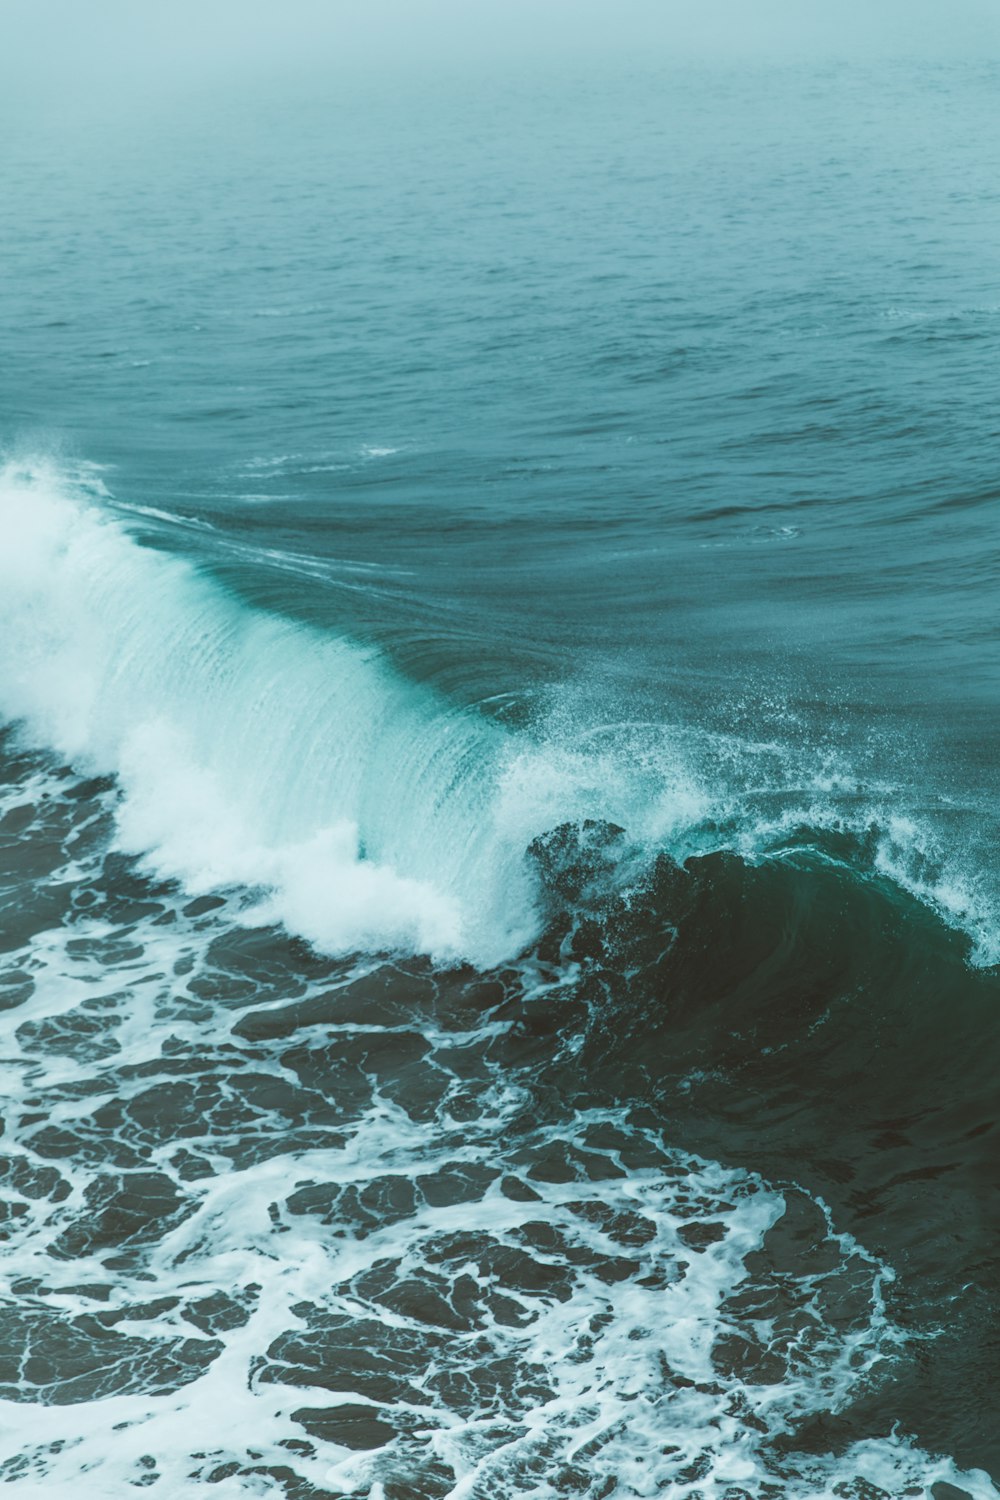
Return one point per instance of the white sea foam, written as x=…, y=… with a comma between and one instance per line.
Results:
x=608, y=1361
x=252, y=751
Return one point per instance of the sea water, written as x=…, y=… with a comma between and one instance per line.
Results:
x=499, y=667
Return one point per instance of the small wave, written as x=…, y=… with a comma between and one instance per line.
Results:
x=270, y=463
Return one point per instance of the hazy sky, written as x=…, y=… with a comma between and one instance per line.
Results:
x=150, y=43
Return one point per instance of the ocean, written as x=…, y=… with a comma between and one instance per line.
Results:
x=500, y=685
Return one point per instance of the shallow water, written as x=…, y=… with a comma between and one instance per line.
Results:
x=499, y=898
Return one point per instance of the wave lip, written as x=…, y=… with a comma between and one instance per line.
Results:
x=251, y=751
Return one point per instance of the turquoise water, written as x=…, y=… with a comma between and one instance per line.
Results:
x=500, y=905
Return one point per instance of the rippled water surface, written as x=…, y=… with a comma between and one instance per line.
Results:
x=498, y=813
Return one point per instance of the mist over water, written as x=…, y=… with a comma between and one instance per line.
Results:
x=499, y=907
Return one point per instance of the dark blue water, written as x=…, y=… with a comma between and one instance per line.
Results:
x=498, y=645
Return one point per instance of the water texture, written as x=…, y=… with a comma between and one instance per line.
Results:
x=499, y=684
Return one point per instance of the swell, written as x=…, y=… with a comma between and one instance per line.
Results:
x=360, y=809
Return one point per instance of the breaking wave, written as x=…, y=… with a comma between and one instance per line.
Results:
x=359, y=808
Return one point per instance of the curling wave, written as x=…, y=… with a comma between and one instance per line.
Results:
x=250, y=751
x=356, y=807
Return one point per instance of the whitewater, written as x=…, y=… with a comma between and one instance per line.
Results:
x=250, y=752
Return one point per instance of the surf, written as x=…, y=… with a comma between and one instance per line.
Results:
x=361, y=809
x=250, y=751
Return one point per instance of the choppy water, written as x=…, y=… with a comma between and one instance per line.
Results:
x=499, y=899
